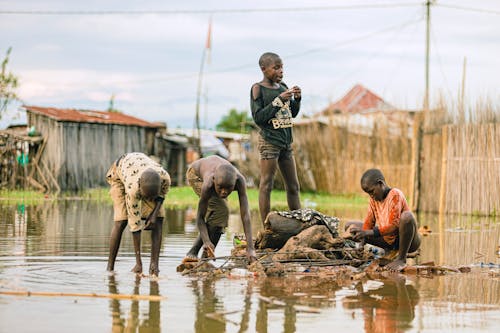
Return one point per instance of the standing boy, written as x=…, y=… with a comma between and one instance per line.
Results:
x=273, y=107
x=389, y=223
x=138, y=188
x=213, y=179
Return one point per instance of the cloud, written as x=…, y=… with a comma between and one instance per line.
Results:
x=151, y=62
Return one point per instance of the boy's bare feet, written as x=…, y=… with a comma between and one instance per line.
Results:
x=189, y=258
x=137, y=269
x=396, y=266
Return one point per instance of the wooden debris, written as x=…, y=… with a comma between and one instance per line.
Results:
x=271, y=301
x=220, y=316
x=154, y=298
x=304, y=308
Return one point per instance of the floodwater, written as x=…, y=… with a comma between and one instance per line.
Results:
x=62, y=247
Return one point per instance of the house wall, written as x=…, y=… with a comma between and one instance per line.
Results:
x=78, y=155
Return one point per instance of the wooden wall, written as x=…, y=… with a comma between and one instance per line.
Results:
x=79, y=154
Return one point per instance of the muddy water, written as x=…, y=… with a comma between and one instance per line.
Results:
x=62, y=248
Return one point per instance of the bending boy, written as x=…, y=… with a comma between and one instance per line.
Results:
x=213, y=179
x=389, y=223
x=138, y=188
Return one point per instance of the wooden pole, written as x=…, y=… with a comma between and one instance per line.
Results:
x=444, y=169
x=154, y=298
x=462, y=94
x=415, y=165
x=198, y=96
x=427, y=52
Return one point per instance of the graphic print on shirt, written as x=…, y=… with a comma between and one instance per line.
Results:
x=284, y=117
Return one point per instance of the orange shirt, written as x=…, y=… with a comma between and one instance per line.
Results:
x=386, y=214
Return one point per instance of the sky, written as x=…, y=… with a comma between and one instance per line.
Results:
x=148, y=54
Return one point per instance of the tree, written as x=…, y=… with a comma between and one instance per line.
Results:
x=235, y=121
x=8, y=85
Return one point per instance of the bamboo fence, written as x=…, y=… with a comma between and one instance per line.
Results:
x=460, y=163
x=472, y=167
x=330, y=158
x=450, y=164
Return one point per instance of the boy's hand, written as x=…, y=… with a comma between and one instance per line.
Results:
x=359, y=234
x=297, y=92
x=150, y=221
x=210, y=248
x=286, y=95
x=251, y=255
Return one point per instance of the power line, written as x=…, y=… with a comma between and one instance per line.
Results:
x=204, y=11
x=252, y=65
x=471, y=9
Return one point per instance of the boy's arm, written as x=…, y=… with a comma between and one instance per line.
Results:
x=368, y=229
x=200, y=219
x=295, y=107
x=165, y=185
x=245, y=217
x=152, y=216
x=261, y=113
x=295, y=102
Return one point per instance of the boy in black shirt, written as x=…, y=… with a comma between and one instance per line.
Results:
x=273, y=107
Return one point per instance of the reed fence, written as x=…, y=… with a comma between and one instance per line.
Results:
x=331, y=157
x=465, y=161
x=450, y=162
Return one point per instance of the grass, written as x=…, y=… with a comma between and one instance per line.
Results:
x=183, y=197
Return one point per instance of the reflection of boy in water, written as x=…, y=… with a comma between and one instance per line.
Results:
x=389, y=223
x=390, y=308
x=151, y=323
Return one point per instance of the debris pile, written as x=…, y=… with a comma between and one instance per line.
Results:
x=305, y=242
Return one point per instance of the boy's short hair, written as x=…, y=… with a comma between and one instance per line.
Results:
x=371, y=176
x=266, y=59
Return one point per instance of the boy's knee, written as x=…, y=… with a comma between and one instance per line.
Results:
x=407, y=218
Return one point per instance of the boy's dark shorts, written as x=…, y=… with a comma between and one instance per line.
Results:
x=268, y=151
x=380, y=242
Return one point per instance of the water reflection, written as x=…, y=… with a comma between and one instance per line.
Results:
x=390, y=308
x=63, y=247
x=123, y=322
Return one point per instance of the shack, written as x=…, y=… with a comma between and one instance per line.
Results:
x=79, y=145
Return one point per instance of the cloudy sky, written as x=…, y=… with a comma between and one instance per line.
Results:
x=77, y=54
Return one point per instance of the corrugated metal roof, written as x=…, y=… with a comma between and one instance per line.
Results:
x=358, y=99
x=90, y=116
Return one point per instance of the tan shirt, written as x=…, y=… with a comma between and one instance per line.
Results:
x=130, y=169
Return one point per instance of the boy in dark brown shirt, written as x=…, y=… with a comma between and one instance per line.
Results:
x=274, y=106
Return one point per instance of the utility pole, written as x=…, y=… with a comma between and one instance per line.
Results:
x=420, y=119
x=428, y=4
x=200, y=85
x=198, y=96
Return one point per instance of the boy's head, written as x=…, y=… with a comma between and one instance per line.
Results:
x=373, y=183
x=271, y=66
x=149, y=184
x=224, y=180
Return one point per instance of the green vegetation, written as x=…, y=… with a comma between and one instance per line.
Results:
x=183, y=197
x=8, y=85
x=235, y=121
